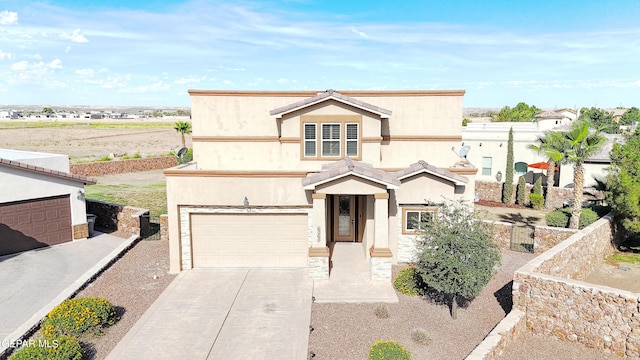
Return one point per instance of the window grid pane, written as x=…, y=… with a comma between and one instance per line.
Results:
x=412, y=220
x=310, y=131
x=330, y=139
x=486, y=165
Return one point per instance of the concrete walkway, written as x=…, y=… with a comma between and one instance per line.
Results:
x=350, y=280
x=36, y=281
x=225, y=314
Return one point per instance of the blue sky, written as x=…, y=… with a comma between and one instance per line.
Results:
x=545, y=53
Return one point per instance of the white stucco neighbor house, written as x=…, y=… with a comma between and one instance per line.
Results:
x=41, y=203
x=279, y=177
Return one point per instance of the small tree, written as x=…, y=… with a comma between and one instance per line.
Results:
x=630, y=116
x=599, y=119
x=182, y=127
x=623, y=183
x=507, y=190
x=521, y=191
x=457, y=255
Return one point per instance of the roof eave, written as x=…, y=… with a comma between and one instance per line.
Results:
x=450, y=179
x=382, y=115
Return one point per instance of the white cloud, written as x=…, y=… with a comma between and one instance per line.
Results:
x=187, y=80
x=359, y=33
x=75, y=36
x=8, y=17
x=85, y=72
x=20, y=66
x=5, y=55
x=55, y=64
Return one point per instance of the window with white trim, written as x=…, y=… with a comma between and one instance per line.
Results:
x=351, y=138
x=414, y=218
x=331, y=140
x=486, y=165
x=310, y=140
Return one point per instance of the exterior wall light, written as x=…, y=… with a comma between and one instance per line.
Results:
x=246, y=202
x=499, y=176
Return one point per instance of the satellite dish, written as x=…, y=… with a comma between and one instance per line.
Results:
x=180, y=153
x=464, y=151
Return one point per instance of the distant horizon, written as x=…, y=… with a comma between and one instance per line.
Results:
x=574, y=53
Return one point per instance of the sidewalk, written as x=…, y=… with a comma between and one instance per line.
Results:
x=35, y=281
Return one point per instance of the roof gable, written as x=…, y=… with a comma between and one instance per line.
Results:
x=45, y=171
x=329, y=95
x=347, y=167
x=423, y=167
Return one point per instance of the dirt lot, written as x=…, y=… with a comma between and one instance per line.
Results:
x=83, y=140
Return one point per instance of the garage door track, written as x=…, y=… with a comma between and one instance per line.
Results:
x=225, y=314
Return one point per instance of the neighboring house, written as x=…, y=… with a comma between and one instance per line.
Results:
x=41, y=203
x=488, y=152
x=279, y=177
x=553, y=118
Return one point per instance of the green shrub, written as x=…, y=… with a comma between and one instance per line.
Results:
x=407, y=281
x=76, y=316
x=388, y=350
x=105, y=158
x=557, y=218
x=58, y=348
x=537, y=201
x=537, y=186
x=560, y=218
x=521, y=191
x=587, y=217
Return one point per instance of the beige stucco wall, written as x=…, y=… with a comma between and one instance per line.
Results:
x=423, y=126
x=34, y=185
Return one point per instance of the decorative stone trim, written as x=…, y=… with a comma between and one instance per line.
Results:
x=381, y=267
x=318, y=263
x=80, y=231
x=185, y=223
x=381, y=253
x=381, y=195
x=318, y=196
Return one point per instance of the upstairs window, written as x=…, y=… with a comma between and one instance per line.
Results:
x=330, y=137
x=352, y=139
x=486, y=165
x=331, y=140
x=310, y=140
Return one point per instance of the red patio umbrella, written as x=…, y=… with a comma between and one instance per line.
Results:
x=540, y=165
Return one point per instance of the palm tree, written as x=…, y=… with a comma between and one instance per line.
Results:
x=551, y=145
x=580, y=144
x=183, y=127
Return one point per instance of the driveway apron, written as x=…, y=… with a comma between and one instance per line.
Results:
x=225, y=314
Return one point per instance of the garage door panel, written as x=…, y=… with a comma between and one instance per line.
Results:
x=34, y=223
x=249, y=240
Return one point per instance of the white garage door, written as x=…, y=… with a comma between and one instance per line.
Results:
x=249, y=240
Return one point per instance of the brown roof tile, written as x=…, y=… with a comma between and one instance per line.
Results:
x=423, y=166
x=330, y=94
x=345, y=167
x=45, y=171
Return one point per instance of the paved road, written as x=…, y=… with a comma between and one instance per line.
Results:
x=35, y=281
x=225, y=314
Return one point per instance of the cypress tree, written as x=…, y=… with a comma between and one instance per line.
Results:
x=507, y=190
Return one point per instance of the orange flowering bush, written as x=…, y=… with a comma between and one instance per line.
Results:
x=76, y=316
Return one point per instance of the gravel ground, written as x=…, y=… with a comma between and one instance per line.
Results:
x=347, y=331
x=131, y=284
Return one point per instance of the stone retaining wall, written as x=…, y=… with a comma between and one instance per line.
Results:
x=545, y=237
x=102, y=168
x=548, y=289
x=492, y=191
x=126, y=220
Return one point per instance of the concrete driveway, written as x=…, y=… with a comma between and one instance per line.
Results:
x=225, y=314
x=36, y=281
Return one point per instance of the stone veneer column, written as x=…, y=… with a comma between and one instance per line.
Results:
x=318, y=260
x=381, y=255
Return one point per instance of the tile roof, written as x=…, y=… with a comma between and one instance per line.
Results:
x=45, y=171
x=345, y=167
x=341, y=168
x=326, y=95
x=423, y=166
x=549, y=115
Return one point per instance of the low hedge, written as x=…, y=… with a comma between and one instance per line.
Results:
x=560, y=218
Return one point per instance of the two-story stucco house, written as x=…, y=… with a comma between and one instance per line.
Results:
x=279, y=177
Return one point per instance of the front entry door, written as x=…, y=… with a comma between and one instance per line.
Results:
x=344, y=218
